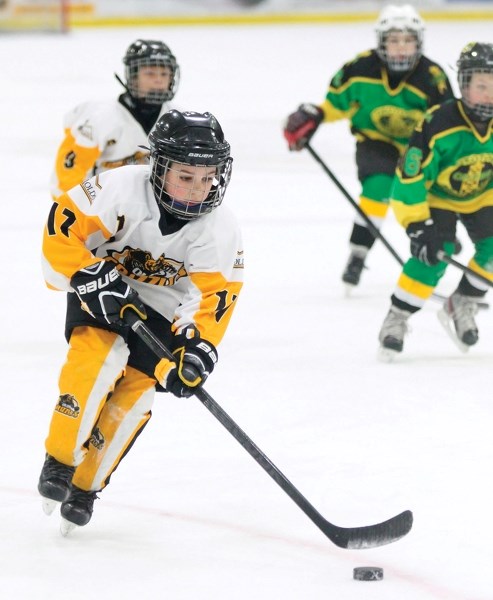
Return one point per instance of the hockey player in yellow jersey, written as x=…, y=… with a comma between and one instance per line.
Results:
x=104, y=135
x=151, y=239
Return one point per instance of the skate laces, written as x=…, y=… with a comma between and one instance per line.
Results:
x=81, y=496
x=54, y=469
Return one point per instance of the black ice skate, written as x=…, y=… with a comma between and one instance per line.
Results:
x=54, y=483
x=354, y=267
x=392, y=333
x=457, y=318
x=77, y=509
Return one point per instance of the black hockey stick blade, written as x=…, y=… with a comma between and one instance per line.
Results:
x=369, y=536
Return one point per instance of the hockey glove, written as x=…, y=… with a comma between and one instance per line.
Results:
x=195, y=361
x=104, y=294
x=425, y=241
x=302, y=124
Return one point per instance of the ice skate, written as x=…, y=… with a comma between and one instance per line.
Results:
x=76, y=509
x=457, y=318
x=54, y=482
x=354, y=268
x=392, y=333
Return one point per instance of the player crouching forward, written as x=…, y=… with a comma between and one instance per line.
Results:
x=150, y=239
x=446, y=176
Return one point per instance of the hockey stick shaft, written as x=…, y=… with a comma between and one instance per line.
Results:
x=345, y=537
x=451, y=261
x=374, y=230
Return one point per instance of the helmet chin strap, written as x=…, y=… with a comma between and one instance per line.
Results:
x=118, y=78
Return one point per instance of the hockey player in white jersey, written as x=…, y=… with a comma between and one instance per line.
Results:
x=151, y=239
x=104, y=135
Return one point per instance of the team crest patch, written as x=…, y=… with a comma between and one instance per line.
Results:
x=469, y=176
x=97, y=439
x=142, y=266
x=396, y=122
x=67, y=405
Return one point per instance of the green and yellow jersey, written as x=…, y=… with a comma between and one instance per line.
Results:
x=379, y=107
x=448, y=165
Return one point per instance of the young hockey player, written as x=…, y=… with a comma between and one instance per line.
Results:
x=150, y=239
x=104, y=135
x=445, y=176
x=384, y=93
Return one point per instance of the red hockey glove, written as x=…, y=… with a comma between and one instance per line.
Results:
x=425, y=241
x=301, y=125
x=104, y=294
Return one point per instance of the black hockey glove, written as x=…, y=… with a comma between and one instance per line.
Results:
x=104, y=294
x=195, y=361
x=301, y=125
x=425, y=241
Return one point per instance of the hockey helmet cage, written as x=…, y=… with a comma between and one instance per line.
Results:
x=403, y=18
x=192, y=139
x=476, y=57
x=150, y=53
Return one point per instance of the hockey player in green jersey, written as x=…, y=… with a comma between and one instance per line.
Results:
x=445, y=176
x=384, y=94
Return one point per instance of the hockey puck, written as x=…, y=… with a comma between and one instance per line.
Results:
x=368, y=573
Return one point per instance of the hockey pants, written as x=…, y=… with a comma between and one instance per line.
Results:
x=103, y=406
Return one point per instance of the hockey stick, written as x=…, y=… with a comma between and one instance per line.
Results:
x=451, y=261
x=374, y=230
x=345, y=537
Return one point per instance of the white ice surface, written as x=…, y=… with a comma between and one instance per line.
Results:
x=189, y=514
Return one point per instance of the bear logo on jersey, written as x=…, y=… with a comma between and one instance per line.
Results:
x=67, y=405
x=141, y=265
x=97, y=439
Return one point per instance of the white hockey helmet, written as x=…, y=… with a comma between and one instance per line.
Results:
x=403, y=18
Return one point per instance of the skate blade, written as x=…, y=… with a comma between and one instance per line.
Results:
x=348, y=289
x=66, y=527
x=387, y=355
x=48, y=505
x=448, y=325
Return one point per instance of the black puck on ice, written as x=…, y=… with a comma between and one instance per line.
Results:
x=368, y=573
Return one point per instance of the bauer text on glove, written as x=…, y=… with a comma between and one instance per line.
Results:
x=425, y=241
x=104, y=294
x=302, y=124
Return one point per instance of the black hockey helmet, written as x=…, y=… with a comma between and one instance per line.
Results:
x=476, y=57
x=150, y=53
x=192, y=139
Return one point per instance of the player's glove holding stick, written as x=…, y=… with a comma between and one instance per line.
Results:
x=301, y=125
x=425, y=241
x=195, y=360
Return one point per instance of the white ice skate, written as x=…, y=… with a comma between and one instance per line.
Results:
x=457, y=318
